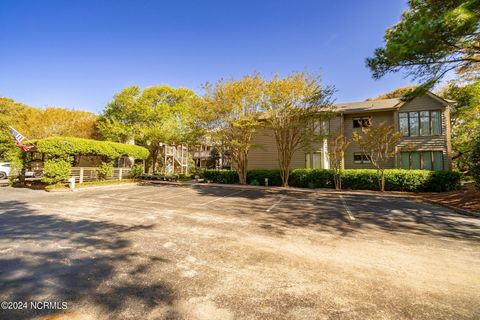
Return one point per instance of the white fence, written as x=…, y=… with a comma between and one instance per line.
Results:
x=83, y=174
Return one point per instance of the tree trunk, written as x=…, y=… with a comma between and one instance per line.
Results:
x=382, y=181
x=338, y=181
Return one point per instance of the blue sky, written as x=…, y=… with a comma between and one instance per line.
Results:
x=77, y=54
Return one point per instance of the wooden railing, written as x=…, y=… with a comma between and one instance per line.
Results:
x=82, y=174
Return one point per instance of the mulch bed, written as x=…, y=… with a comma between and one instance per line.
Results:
x=467, y=198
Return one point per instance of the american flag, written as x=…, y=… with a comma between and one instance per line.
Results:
x=19, y=140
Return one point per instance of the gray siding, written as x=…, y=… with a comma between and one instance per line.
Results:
x=377, y=118
x=264, y=154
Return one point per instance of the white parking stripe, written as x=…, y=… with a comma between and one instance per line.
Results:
x=177, y=195
x=273, y=205
x=220, y=198
x=349, y=213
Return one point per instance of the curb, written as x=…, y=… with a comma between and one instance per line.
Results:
x=116, y=185
x=325, y=191
x=461, y=211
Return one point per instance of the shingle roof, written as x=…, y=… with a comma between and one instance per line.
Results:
x=372, y=105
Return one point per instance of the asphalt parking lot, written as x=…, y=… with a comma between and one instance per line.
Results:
x=171, y=252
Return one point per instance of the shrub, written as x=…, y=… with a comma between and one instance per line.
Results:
x=440, y=181
x=63, y=147
x=105, y=170
x=311, y=178
x=257, y=177
x=475, y=163
x=360, y=179
x=221, y=176
x=136, y=171
x=55, y=171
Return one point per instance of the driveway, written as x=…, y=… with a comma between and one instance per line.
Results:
x=172, y=252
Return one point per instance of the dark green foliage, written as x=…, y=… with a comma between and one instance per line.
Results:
x=312, y=178
x=440, y=181
x=475, y=163
x=55, y=171
x=65, y=147
x=431, y=38
x=221, y=176
x=257, y=177
x=362, y=179
x=359, y=179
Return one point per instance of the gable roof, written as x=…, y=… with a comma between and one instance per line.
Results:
x=368, y=106
x=380, y=105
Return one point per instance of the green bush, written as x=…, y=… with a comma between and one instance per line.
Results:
x=63, y=147
x=136, y=171
x=441, y=181
x=55, y=171
x=311, y=178
x=360, y=179
x=257, y=177
x=221, y=176
x=105, y=170
x=475, y=163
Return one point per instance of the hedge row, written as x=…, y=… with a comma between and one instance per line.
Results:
x=362, y=179
x=61, y=147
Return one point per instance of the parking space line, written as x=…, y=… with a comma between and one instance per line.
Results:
x=220, y=198
x=349, y=213
x=273, y=205
x=178, y=195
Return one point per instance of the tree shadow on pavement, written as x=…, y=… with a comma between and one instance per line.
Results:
x=46, y=257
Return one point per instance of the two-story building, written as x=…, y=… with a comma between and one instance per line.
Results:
x=423, y=121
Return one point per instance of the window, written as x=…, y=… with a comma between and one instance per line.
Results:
x=313, y=160
x=317, y=162
x=424, y=123
x=361, y=122
x=359, y=157
x=321, y=127
x=436, y=123
x=437, y=160
x=415, y=160
x=426, y=160
x=413, y=121
x=403, y=118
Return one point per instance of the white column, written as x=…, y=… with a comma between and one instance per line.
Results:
x=80, y=180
